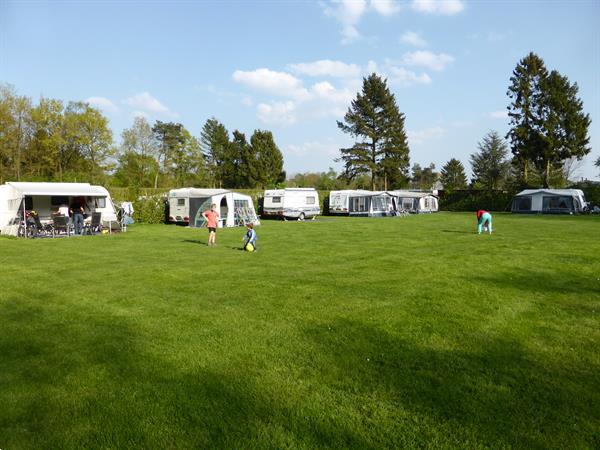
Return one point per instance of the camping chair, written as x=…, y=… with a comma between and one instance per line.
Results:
x=43, y=229
x=60, y=224
x=95, y=226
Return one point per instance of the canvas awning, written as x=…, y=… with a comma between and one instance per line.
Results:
x=58, y=189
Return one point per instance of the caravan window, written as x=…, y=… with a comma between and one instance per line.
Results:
x=358, y=204
x=522, y=204
x=240, y=203
x=310, y=200
x=558, y=202
x=379, y=203
x=407, y=203
x=181, y=202
x=276, y=200
x=101, y=202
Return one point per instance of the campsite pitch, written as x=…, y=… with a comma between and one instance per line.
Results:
x=365, y=333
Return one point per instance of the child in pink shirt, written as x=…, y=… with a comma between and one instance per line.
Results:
x=212, y=217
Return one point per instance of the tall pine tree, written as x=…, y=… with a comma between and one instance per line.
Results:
x=381, y=148
x=548, y=125
x=269, y=160
x=453, y=175
x=214, y=141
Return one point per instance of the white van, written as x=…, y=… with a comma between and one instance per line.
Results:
x=295, y=203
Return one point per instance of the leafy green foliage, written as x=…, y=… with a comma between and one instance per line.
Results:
x=423, y=178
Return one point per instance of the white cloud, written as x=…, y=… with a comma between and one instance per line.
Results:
x=425, y=58
x=501, y=114
x=420, y=136
x=247, y=101
x=278, y=83
x=140, y=114
x=404, y=77
x=277, y=113
x=413, y=38
x=326, y=67
x=385, y=7
x=314, y=149
x=349, y=12
x=146, y=103
x=103, y=104
x=442, y=7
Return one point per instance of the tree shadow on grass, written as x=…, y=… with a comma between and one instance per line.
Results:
x=550, y=281
x=494, y=396
x=97, y=383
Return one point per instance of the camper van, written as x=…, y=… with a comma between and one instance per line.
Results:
x=47, y=198
x=186, y=206
x=293, y=203
x=549, y=201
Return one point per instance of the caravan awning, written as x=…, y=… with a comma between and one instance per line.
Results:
x=62, y=189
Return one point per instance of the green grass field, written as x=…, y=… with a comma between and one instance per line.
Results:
x=338, y=333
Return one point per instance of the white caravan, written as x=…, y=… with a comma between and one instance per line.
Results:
x=186, y=206
x=415, y=202
x=46, y=198
x=549, y=201
x=296, y=203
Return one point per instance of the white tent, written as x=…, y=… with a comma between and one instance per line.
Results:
x=370, y=203
x=549, y=201
x=339, y=201
x=415, y=202
x=45, y=198
x=186, y=206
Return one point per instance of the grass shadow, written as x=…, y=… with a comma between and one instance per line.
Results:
x=497, y=397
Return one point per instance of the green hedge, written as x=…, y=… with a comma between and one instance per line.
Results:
x=473, y=200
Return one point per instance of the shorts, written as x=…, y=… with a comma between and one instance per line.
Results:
x=212, y=230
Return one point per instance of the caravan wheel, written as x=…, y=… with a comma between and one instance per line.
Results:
x=301, y=216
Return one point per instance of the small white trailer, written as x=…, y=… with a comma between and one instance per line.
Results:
x=293, y=203
x=186, y=206
x=46, y=198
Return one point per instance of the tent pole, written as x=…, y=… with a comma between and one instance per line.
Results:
x=24, y=216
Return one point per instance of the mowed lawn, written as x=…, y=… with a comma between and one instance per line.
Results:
x=338, y=333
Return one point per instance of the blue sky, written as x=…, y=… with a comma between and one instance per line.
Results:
x=293, y=67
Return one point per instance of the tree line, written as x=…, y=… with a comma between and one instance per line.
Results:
x=548, y=135
x=52, y=141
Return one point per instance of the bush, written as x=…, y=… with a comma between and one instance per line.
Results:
x=473, y=200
